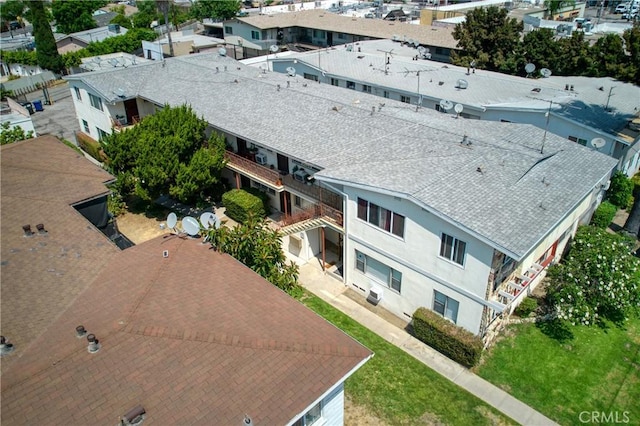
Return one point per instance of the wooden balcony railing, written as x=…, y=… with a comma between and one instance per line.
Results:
x=324, y=196
x=319, y=210
x=245, y=165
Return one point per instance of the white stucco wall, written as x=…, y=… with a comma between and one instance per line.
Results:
x=416, y=256
x=84, y=111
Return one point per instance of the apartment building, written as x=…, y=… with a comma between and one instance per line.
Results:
x=408, y=206
x=601, y=113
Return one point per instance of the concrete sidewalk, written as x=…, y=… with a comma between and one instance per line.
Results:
x=332, y=291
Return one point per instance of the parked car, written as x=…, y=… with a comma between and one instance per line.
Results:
x=630, y=16
x=621, y=8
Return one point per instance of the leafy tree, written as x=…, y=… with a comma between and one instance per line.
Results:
x=215, y=9
x=632, y=44
x=203, y=170
x=488, y=37
x=608, y=51
x=540, y=48
x=156, y=156
x=553, y=6
x=75, y=15
x=598, y=279
x=575, y=56
x=147, y=13
x=11, y=10
x=24, y=57
x=259, y=247
x=10, y=134
x=122, y=20
x=46, y=50
x=620, y=190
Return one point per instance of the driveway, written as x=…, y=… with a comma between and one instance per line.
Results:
x=59, y=118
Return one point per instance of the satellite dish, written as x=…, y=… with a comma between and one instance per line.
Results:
x=462, y=84
x=446, y=104
x=172, y=220
x=273, y=48
x=545, y=72
x=222, y=51
x=190, y=225
x=291, y=71
x=598, y=143
x=458, y=108
x=529, y=68
x=209, y=220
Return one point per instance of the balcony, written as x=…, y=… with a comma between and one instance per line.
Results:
x=120, y=123
x=329, y=215
x=246, y=166
x=315, y=192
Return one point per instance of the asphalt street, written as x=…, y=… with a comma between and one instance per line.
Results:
x=59, y=118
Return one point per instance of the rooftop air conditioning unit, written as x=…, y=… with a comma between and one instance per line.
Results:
x=261, y=158
x=375, y=295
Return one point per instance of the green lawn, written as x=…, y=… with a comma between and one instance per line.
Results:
x=597, y=370
x=398, y=388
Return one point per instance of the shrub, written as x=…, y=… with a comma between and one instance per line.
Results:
x=603, y=215
x=240, y=205
x=266, y=202
x=620, y=190
x=447, y=338
x=525, y=307
x=91, y=147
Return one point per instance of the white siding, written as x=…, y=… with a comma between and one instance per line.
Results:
x=333, y=407
x=84, y=111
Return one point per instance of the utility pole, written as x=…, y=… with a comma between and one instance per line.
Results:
x=606, y=108
x=546, y=127
x=164, y=7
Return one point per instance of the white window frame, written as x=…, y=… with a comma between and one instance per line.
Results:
x=447, y=306
x=255, y=35
x=78, y=94
x=376, y=216
x=96, y=102
x=393, y=279
x=306, y=421
x=450, y=251
x=85, y=125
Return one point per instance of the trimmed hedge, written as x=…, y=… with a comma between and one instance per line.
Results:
x=447, y=338
x=91, y=147
x=603, y=215
x=528, y=305
x=240, y=205
x=266, y=202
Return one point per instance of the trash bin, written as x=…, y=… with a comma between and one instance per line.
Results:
x=28, y=106
x=38, y=105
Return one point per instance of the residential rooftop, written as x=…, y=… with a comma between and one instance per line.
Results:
x=321, y=19
x=601, y=103
x=190, y=334
x=505, y=183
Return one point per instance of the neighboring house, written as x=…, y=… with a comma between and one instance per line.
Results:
x=187, y=334
x=76, y=41
x=17, y=116
x=187, y=42
x=102, y=18
x=585, y=110
x=315, y=28
x=461, y=216
x=112, y=60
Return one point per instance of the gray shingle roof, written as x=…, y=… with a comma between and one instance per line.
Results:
x=584, y=104
x=511, y=204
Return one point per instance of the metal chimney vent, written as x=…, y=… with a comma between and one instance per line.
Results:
x=40, y=228
x=27, y=230
x=80, y=331
x=94, y=344
x=133, y=417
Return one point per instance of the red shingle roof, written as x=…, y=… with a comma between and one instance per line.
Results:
x=195, y=337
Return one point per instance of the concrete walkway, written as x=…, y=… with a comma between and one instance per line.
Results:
x=332, y=291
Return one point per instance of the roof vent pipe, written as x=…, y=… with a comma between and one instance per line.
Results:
x=247, y=420
x=40, y=228
x=94, y=344
x=5, y=347
x=373, y=109
x=80, y=331
x=27, y=230
x=135, y=416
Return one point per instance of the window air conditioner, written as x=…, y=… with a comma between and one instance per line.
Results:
x=375, y=295
x=301, y=175
x=261, y=158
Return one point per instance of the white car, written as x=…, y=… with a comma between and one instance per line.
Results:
x=629, y=16
x=621, y=8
